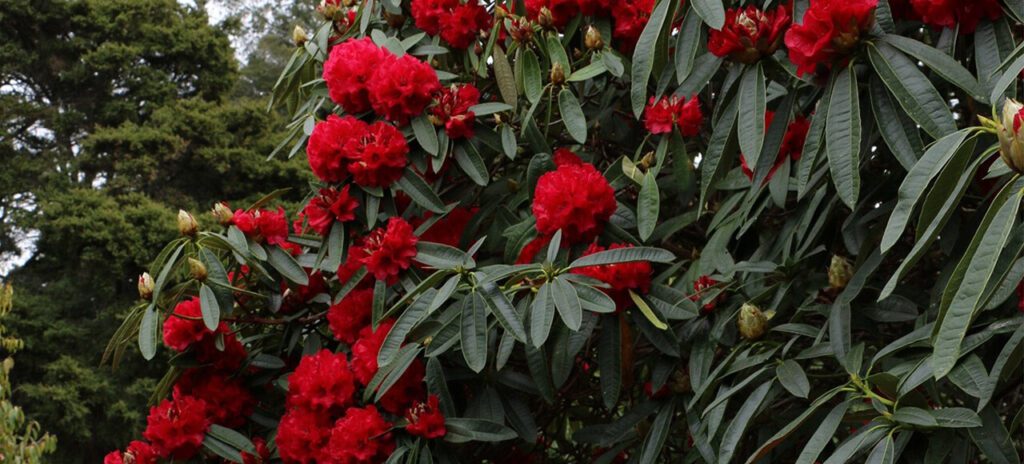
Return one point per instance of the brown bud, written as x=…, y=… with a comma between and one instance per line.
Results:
x=146, y=286
x=592, y=39
x=197, y=269
x=839, y=272
x=187, y=224
x=752, y=322
x=394, y=20
x=222, y=213
x=545, y=18
x=557, y=74
x=680, y=382
x=299, y=36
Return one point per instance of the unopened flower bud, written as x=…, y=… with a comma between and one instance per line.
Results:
x=1011, y=138
x=146, y=286
x=187, y=224
x=752, y=322
x=557, y=74
x=197, y=269
x=839, y=272
x=520, y=29
x=222, y=213
x=680, y=382
x=330, y=10
x=299, y=36
x=545, y=18
x=592, y=39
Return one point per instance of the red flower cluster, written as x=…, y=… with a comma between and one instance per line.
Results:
x=749, y=33
x=373, y=153
x=263, y=225
x=630, y=17
x=425, y=419
x=700, y=286
x=949, y=13
x=360, y=75
x=361, y=435
x=596, y=7
x=621, y=277
x=138, y=452
x=452, y=110
x=458, y=23
x=389, y=250
x=175, y=428
x=792, y=144
x=232, y=400
x=662, y=114
x=321, y=382
x=449, y=229
x=185, y=326
x=364, y=366
x=575, y=198
x=350, y=315
x=330, y=206
x=302, y=437
x=831, y=29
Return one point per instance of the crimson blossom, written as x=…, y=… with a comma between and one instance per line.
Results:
x=830, y=31
x=661, y=115
x=965, y=14
x=749, y=33
x=575, y=198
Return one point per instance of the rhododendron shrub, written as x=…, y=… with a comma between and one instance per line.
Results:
x=598, y=231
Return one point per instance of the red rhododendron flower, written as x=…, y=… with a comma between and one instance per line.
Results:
x=596, y=7
x=262, y=455
x=949, y=13
x=425, y=419
x=390, y=250
x=449, y=229
x=321, y=382
x=330, y=206
x=702, y=286
x=749, y=33
x=365, y=350
x=230, y=399
x=630, y=18
x=564, y=156
x=327, y=144
x=831, y=29
x=402, y=88
x=302, y=437
x=660, y=115
x=176, y=427
x=349, y=69
x=263, y=225
x=138, y=452
x=622, y=277
x=350, y=315
x=575, y=198
x=792, y=144
x=376, y=156
x=185, y=326
x=406, y=390
x=428, y=13
x=228, y=359
x=452, y=110
x=462, y=26
x=361, y=436
x=562, y=11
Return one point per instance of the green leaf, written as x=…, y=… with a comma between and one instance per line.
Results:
x=657, y=434
x=474, y=332
x=712, y=11
x=556, y=52
x=842, y=134
x=590, y=71
x=648, y=206
x=506, y=79
x=943, y=64
x=793, y=378
x=956, y=418
x=502, y=309
x=567, y=303
x=643, y=56
x=237, y=440
x=1009, y=77
x=420, y=192
x=441, y=256
x=224, y=450
x=884, y=451
x=646, y=310
x=687, y=45
x=901, y=135
x=409, y=319
x=734, y=434
x=209, y=307
x=466, y=429
x=425, y=134
x=955, y=318
x=286, y=265
x=624, y=255
x=914, y=416
x=993, y=439
x=489, y=108
x=572, y=115
x=822, y=435
x=542, y=315
x=533, y=84
x=471, y=164
x=752, y=98
x=722, y=142
x=149, y=332
x=917, y=180
x=813, y=143
x=912, y=89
